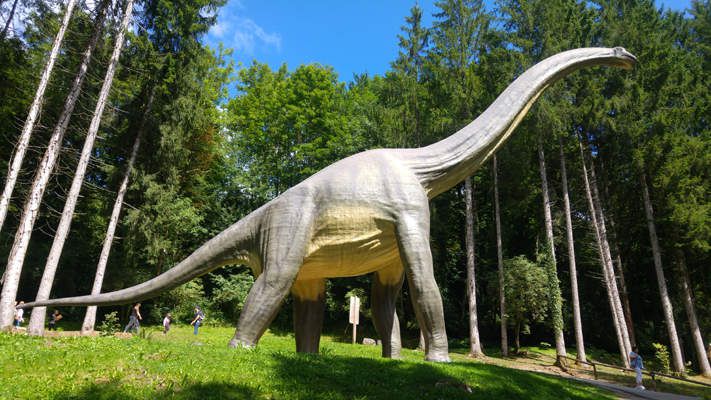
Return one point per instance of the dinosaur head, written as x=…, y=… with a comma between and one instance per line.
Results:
x=619, y=57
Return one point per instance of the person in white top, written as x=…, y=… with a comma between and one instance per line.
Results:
x=166, y=323
x=19, y=315
x=638, y=365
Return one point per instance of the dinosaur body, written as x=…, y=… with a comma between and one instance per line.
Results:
x=367, y=213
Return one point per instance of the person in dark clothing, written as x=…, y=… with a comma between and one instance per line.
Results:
x=134, y=318
x=53, y=319
x=197, y=321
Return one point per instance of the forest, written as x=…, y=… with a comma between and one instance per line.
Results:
x=127, y=142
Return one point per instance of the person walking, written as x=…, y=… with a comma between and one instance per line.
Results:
x=638, y=365
x=197, y=321
x=134, y=318
x=166, y=323
x=19, y=314
x=53, y=319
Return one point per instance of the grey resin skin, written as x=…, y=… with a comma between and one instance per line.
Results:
x=368, y=213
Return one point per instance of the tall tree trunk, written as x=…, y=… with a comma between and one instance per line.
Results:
x=613, y=295
x=608, y=257
x=575, y=299
x=3, y=35
x=14, y=264
x=624, y=294
x=24, y=140
x=668, y=311
x=474, y=342
x=554, y=285
x=619, y=270
x=38, y=313
x=517, y=337
x=500, y=261
x=688, y=297
x=49, y=160
x=90, y=317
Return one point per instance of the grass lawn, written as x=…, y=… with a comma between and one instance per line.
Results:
x=183, y=366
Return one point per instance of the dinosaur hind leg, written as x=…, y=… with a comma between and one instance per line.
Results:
x=413, y=241
x=386, y=287
x=309, y=306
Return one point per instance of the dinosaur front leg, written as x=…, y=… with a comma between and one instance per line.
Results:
x=309, y=307
x=284, y=237
x=413, y=240
x=386, y=287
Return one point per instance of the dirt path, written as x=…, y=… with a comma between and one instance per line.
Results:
x=625, y=392
x=542, y=364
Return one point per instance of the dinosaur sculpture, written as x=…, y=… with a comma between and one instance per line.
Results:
x=367, y=213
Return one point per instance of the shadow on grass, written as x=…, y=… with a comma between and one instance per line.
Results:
x=286, y=375
x=337, y=377
x=116, y=391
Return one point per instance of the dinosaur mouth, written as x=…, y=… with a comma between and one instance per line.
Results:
x=624, y=58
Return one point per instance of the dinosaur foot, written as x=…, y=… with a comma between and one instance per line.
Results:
x=437, y=357
x=241, y=344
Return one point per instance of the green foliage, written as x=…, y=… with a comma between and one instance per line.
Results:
x=230, y=292
x=181, y=302
x=286, y=126
x=109, y=325
x=544, y=259
x=526, y=291
x=661, y=358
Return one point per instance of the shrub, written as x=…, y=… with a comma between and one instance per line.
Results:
x=110, y=324
x=661, y=358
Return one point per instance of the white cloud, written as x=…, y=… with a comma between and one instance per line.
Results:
x=218, y=30
x=242, y=34
x=247, y=35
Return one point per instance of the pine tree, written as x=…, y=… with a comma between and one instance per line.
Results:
x=574, y=295
x=555, y=298
x=500, y=262
x=90, y=317
x=13, y=268
x=474, y=341
x=37, y=318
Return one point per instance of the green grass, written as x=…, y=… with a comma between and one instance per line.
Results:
x=182, y=366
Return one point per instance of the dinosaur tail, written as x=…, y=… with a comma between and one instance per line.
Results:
x=223, y=249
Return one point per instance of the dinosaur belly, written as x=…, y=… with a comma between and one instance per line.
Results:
x=349, y=241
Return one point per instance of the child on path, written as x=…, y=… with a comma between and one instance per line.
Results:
x=636, y=363
x=166, y=323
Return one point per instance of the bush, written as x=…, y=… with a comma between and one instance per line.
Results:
x=230, y=293
x=180, y=302
x=661, y=358
x=110, y=324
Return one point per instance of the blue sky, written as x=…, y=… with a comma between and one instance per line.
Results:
x=352, y=36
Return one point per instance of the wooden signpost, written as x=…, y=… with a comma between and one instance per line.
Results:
x=354, y=314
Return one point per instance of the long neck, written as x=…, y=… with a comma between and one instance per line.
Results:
x=443, y=164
